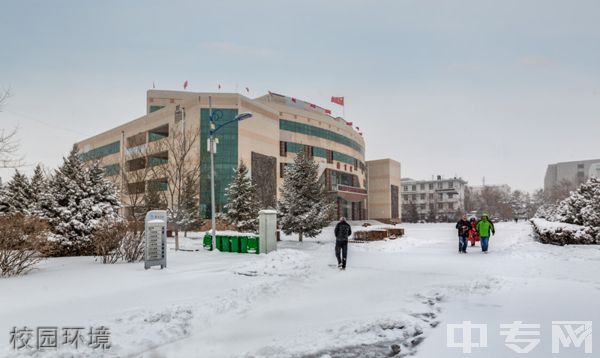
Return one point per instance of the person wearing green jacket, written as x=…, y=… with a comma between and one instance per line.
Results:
x=484, y=228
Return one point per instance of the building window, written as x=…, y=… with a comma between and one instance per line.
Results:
x=450, y=206
x=112, y=170
x=414, y=188
x=136, y=188
x=302, y=128
x=439, y=185
x=158, y=133
x=102, y=151
x=158, y=159
x=422, y=196
x=430, y=196
x=135, y=164
x=158, y=184
x=422, y=186
x=450, y=195
x=282, y=148
x=450, y=185
x=430, y=186
x=441, y=196
x=136, y=140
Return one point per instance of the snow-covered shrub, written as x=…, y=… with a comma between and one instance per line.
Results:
x=132, y=246
x=117, y=240
x=20, y=237
x=546, y=211
x=582, y=207
x=575, y=220
x=107, y=240
x=558, y=233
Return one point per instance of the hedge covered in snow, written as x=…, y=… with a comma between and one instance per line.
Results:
x=557, y=233
x=575, y=220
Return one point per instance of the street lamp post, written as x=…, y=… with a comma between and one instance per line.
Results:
x=214, y=128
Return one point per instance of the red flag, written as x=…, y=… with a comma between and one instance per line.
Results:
x=185, y=84
x=313, y=106
x=338, y=100
x=328, y=111
x=293, y=100
x=349, y=123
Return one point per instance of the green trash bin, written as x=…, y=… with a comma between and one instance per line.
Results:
x=253, y=245
x=226, y=243
x=235, y=243
x=219, y=243
x=243, y=244
x=207, y=242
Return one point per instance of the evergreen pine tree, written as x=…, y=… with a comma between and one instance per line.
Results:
x=411, y=213
x=189, y=217
x=17, y=197
x=153, y=200
x=80, y=198
x=304, y=207
x=39, y=190
x=242, y=205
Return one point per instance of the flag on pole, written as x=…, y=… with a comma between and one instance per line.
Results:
x=328, y=111
x=338, y=100
x=349, y=123
x=219, y=86
x=358, y=129
x=185, y=84
x=247, y=89
x=293, y=100
x=153, y=85
x=312, y=105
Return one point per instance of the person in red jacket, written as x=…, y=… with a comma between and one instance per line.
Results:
x=473, y=234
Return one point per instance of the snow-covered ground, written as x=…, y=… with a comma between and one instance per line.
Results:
x=293, y=303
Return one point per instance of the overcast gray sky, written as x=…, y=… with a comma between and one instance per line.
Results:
x=470, y=88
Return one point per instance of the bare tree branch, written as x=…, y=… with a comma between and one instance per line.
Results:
x=9, y=145
x=4, y=95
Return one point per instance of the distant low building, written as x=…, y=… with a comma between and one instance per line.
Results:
x=502, y=188
x=575, y=172
x=438, y=199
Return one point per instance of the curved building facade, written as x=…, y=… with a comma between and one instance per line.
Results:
x=281, y=127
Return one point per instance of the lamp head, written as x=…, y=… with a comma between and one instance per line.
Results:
x=242, y=116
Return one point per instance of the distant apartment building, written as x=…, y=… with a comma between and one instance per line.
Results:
x=576, y=172
x=438, y=199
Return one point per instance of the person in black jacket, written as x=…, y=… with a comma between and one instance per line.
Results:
x=342, y=233
x=463, y=226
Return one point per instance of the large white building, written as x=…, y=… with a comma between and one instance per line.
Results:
x=575, y=172
x=438, y=199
